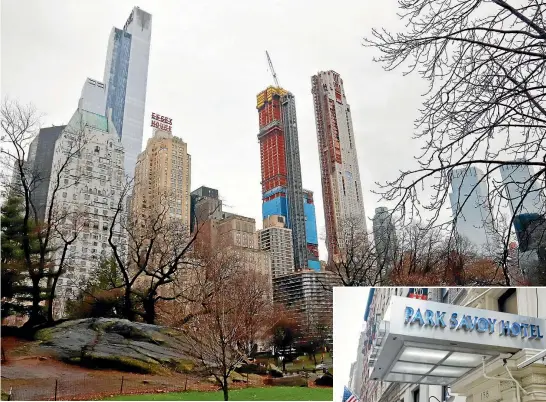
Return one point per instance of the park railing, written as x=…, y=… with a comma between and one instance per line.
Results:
x=59, y=389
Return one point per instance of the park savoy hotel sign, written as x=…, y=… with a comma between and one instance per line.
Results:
x=437, y=337
x=469, y=323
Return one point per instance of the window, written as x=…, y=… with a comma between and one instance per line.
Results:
x=508, y=302
x=445, y=295
x=415, y=395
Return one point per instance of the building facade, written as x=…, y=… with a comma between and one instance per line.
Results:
x=471, y=210
x=126, y=78
x=277, y=241
x=88, y=192
x=311, y=235
x=205, y=204
x=384, y=235
x=282, y=192
x=469, y=361
x=524, y=195
x=40, y=162
x=308, y=294
x=162, y=178
x=340, y=176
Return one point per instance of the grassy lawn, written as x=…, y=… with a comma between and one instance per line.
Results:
x=247, y=394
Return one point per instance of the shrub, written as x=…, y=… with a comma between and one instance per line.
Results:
x=327, y=380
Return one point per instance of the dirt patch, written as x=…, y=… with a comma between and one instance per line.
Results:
x=39, y=377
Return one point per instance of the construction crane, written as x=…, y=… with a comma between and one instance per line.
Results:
x=272, y=69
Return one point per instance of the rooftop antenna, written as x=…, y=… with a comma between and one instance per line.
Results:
x=272, y=69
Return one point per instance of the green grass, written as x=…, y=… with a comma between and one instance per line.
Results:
x=247, y=394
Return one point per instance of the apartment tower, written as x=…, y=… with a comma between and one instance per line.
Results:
x=162, y=178
x=471, y=209
x=282, y=192
x=86, y=189
x=126, y=77
x=341, y=188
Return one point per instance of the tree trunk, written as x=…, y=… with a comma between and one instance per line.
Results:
x=149, y=310
x=35, y=310
x=225, y=388
x=51, y=299
x=128, y=306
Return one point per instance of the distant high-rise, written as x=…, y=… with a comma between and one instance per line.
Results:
x=471, y=209
x=341, y=188
x=311, y=230
x=384, y=235
x=282, y=192
x=125, y=77
x=524, y=196
x=276, y=239
x=308, y=294
x=40, y=160
x=162, y=178
x=205, y=204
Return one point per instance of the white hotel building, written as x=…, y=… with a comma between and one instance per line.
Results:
x=455, y=345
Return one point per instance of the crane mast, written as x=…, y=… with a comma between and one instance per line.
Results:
x=272, y=69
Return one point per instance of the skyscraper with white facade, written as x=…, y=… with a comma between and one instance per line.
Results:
x=86, y=189
x=341, y=188
x=126, y=77
x=524, y=195
x=471, y=210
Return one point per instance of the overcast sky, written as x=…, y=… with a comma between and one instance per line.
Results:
x=349, y=307
x=207, y=63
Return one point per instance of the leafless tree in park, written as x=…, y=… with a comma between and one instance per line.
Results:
x=486, y=105
x=40, y=239
x=236, y=315
x=360, y=263
x=157, y=252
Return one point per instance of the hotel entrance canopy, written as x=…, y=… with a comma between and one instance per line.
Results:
x=435, y=343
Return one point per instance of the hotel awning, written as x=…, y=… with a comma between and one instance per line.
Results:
x=433, y=343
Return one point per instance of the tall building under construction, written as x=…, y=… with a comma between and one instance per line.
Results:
x=341, y=189
x=282, y=192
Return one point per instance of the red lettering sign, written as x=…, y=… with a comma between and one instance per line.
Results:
x=162, y=122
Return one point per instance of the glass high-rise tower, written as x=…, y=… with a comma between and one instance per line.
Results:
x=125, y=78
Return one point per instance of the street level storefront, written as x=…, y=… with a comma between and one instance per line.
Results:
x=475, y=352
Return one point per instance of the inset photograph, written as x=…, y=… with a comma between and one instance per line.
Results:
x=440, y=344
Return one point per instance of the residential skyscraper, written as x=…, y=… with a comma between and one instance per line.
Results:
x=276, y=239
x=309, y=294
x=471, y=209
x=162, y=178
x=89, y=188
x=523, y=197
x=126, y=77
x=384, y=234
x=341, y=188
x=282, y=192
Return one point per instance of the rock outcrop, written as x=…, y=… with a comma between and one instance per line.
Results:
x=116, y=344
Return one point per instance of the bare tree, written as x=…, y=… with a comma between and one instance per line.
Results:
x=156, y=256
x=359, y=263
x=222, y=338
x=486, y=105
x=19, y=127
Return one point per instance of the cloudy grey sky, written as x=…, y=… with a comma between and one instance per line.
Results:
x=207, y=63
